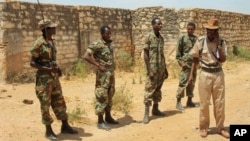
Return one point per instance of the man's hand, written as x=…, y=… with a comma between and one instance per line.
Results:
x=151, y=74
x=101, y=67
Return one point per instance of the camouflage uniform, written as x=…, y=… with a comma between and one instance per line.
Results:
x=185, y=44
x=105, y=80
x=157, y=64
x=48, y=88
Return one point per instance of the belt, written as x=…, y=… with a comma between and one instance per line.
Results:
x=211, y=70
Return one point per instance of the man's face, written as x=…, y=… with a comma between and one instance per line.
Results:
x=51, y=30
x=106, y=36
x=212, y=33
x=190, y=30
x=158, y=24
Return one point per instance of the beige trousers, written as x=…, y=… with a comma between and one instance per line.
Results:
x=212, y=84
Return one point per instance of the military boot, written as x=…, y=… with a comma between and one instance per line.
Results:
x=66, y=128
x=146, y=114
x=190, y=102
x=109, y=119
x=156, y=111
x=49, y=133
x=101, y=124
x=178, y=105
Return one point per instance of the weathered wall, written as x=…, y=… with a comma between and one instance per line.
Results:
x=92, y=18
x=79, y=26
x=235, y=27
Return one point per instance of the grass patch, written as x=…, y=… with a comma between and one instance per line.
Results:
x=124, y=60
x=77, y=115
x=78, y=69
x=240, y=52
x=122, y=100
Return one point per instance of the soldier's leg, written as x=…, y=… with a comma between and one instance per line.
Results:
x=190, y=92
x=59, y=107
x=111, y=91
x=157, y=98
x=150, y=88
x=181, y=89
x=43, y=93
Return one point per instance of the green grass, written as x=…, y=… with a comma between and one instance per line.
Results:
x=76, y=115
x=239, y=52
x=124, y=61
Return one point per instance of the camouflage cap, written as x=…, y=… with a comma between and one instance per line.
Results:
x=46, y=23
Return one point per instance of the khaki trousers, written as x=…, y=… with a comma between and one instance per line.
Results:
x=212, y=84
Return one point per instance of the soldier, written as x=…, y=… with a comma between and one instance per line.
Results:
x=154, y=60
x=100, y=54
x=210, y=51
x=184, y=45
x=48, y=88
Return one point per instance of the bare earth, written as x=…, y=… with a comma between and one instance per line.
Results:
x=19, y=121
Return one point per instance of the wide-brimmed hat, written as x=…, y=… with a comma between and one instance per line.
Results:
x=46, y=23
x=212, y=24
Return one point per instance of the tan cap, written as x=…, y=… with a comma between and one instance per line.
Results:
x=212, y=24
x=46, y=23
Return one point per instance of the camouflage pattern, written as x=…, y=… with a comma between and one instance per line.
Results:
x=48, y=88
x=184, y=45
x=105, y=80
x=157, y=64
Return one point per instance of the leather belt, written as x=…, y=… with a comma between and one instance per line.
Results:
x=211, y=70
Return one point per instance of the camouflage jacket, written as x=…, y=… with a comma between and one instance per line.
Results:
x=43, y=51
x=156, y=52
x=103, y=53
x=184, y=45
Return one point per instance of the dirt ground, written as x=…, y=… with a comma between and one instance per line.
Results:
x=19, y=121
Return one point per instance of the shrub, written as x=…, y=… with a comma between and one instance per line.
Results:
x=124, y=60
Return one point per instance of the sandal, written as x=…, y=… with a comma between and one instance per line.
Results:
x=203, y=133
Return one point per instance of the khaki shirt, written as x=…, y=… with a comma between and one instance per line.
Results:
x=209, y=51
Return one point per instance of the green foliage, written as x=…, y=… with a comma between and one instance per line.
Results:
x=122, y=100
x=15, y=77
x=78, y=69
x=124, y=60
x=241, y=52
x=76, y=115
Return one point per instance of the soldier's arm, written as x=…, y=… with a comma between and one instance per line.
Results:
x=179, y=50
x=88, y=56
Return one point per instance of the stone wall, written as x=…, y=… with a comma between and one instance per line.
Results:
x=79, y=26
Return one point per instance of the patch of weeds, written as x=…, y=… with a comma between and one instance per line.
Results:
x=76, y=115
x=124, y=60
x=122, y=100
x=241, y=52
x=78, y=69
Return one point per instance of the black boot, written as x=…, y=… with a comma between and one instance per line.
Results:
x=178, y=105
x=66, y=128
x=109, y=119
x=101, y=124
x=146, y=114
x=49, y=133
x=156, y=111
x=190, y=102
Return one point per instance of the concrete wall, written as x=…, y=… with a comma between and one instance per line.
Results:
x=79, y=26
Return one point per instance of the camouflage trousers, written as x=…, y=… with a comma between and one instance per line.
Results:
x=153, y=89
x=183, y=85
x=49, y=93
x=104, y=91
